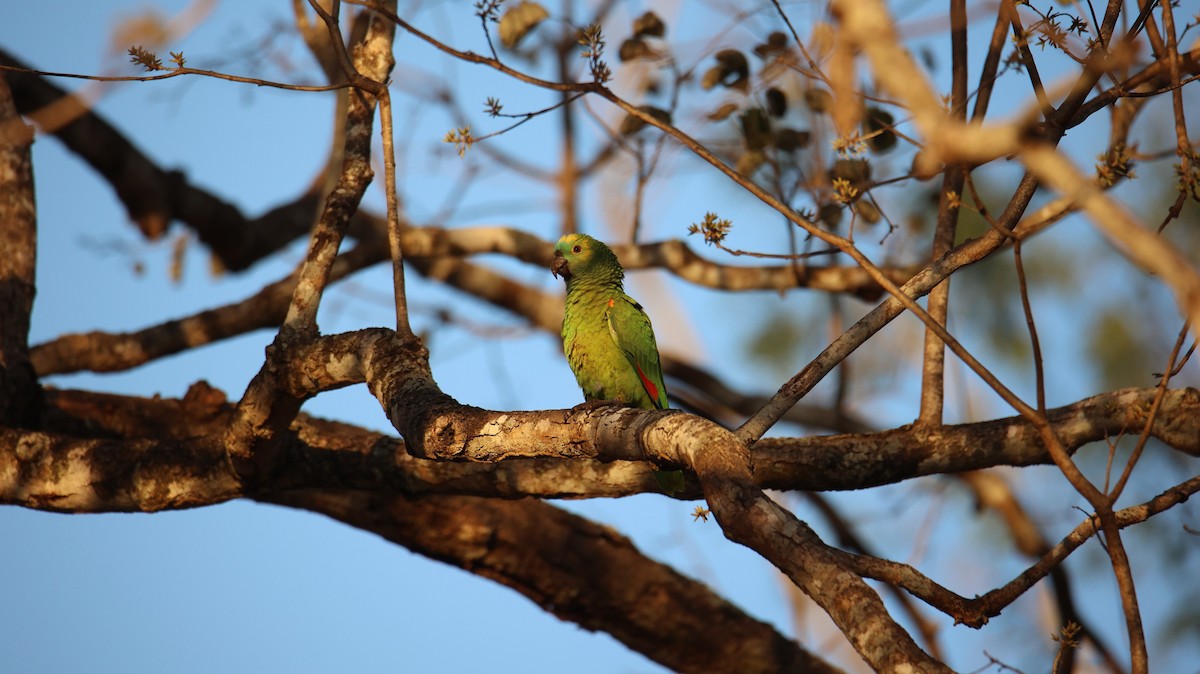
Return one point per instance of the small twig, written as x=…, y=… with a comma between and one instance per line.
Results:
x=1027, y=60
x=778, y=256
x=393, y=216
x=1183, y=146
x=812, y=64
x=485, y=15
x=178, y=72
x=1035, y=344
x=1183, y=361
x=526, y=116
x=491, y=149
x=1150, y=416
x=335, y=36
x=991, y=64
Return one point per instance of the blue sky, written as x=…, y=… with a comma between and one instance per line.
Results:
x=247, y=587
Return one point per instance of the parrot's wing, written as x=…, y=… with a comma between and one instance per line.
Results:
x=631, y=330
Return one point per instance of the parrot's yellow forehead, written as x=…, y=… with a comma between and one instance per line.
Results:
x=578, y=248
x=574, y=243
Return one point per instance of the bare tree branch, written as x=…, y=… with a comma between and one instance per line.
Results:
x=18, y=241
x=933, y=369
x=857, y=461
x=649, y=607
x=252, y=441
x=166, y=454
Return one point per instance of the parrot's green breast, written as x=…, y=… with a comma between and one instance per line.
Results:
x=603, y=370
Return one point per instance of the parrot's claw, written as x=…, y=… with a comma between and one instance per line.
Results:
x=595, y=404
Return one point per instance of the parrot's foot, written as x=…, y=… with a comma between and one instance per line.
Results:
x=595, y=404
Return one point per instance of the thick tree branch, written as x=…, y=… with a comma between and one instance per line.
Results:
x=143, y=454
x=819, y=463
x=318, y=455
x=18, y=261
x=339, y=456
x=864, y=460
x=445, y=430
x=435, y=427
x=264, y=412
x=153, y=454
x=577, y=570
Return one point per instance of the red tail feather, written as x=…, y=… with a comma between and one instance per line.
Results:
x=650, y=387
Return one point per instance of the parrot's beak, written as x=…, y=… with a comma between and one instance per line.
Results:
x=559, y=267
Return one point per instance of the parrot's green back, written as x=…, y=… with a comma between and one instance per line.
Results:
x=607, y=337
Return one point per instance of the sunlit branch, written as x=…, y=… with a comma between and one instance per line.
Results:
x=341, y=471
x=255, y=435
x=933, y=367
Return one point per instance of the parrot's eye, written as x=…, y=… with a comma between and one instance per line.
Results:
x=577, y=249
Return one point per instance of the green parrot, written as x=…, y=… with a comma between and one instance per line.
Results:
x=607, y=336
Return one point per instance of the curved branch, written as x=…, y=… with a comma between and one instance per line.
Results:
x=253, y=439
x=436, y=427
x=648, y=606
x=111, y=352
x=975, y=612
x=151, y=454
